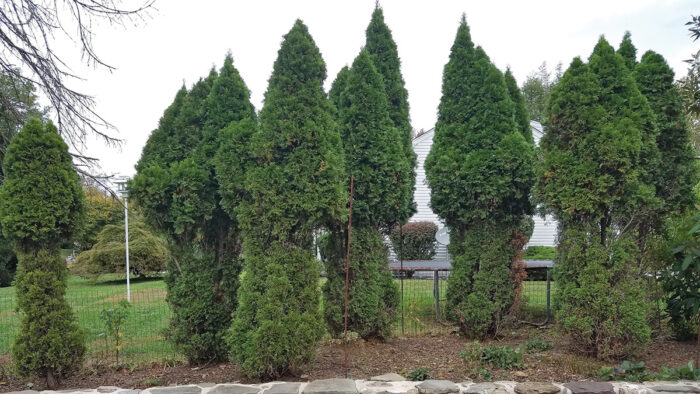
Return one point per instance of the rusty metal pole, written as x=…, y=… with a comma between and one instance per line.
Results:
x=347, y=276
x=401, y=275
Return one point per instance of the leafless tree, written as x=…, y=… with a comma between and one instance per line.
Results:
x=27, y=32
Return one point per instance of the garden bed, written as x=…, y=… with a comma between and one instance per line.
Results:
x=438, y=354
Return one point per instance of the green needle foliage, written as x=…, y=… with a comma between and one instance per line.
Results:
x=678, y=174
x=592, y=176
x=177, y=189
x=296, y=185
x=521, y=117
x=480, y=171
x=374, y=155
x=385, y=55
x=628, y=51
x=41, y=206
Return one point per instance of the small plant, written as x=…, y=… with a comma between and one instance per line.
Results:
x=418, y=374
x=626, y=371
x=537, y=344
x=683, y=372
x=485, y=374
x=113, y=319
x=504, y=357
x=473, y=351
x=154, y=381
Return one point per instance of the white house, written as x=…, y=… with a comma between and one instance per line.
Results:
x=544, y=233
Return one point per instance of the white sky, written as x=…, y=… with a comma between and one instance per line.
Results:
x=182, y=40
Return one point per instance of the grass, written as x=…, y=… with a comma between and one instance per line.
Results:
x=149, y=317
x=143, y=330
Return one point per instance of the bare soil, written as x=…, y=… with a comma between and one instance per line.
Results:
x=439, y=354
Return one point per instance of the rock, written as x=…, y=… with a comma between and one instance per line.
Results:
x=485, y=388
x=176, y=390
x=233, y=389
x=590, y=388
x=388, y=377
x=672, y=388
x=437, y=387
x=284, y=388
x=519, y=374
x=536, y=388
x=128, y=392
x=331, y=386
x=107, y=389
x=24, y=392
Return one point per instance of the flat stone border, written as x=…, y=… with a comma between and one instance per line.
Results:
x=390, y=384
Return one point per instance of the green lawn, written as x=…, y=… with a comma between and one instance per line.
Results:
x=143, y=331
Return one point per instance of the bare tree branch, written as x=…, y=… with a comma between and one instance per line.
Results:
x=27, y=31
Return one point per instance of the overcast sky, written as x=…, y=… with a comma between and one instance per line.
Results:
x=182, y=40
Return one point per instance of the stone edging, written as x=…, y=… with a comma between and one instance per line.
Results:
x=396, y=384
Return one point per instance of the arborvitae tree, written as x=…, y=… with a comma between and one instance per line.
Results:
x=41, y=206
x=628, y=51
x=676, y=175
x=678, y=171
x=156, y=152
x=374, y=155
x=181, y=198
x=385, y=55
x=590, y=176
x=338, y=87
x=521, y=117
x=296, y=184
x=480, y=174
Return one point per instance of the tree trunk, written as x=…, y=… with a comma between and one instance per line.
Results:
x=51, y=381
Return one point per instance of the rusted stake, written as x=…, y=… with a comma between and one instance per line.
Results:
x=401, y=275
x=347, y=276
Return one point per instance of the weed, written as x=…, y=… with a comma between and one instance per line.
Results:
x=537, y=344
x=504, y=357
x=418, y=374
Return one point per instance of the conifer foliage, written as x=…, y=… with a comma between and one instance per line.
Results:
x=480, y=174
x=595, y=175
x=41, y=206
x=678, y=174
x=385, y=55
x=177, y=189
x=295, y=185
x=374, y=156
x=521, y=117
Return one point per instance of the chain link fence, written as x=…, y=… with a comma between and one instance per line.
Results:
x=142, y=338
x=421, y=311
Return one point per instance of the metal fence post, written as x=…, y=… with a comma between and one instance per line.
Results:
x=548, y=292
x=436, y=293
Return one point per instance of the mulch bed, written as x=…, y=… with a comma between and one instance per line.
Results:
x=439, y=354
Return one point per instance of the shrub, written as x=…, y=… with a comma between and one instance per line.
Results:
x=38, y=220
x=148, y=253
x=681, y=278
x=418, y=240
